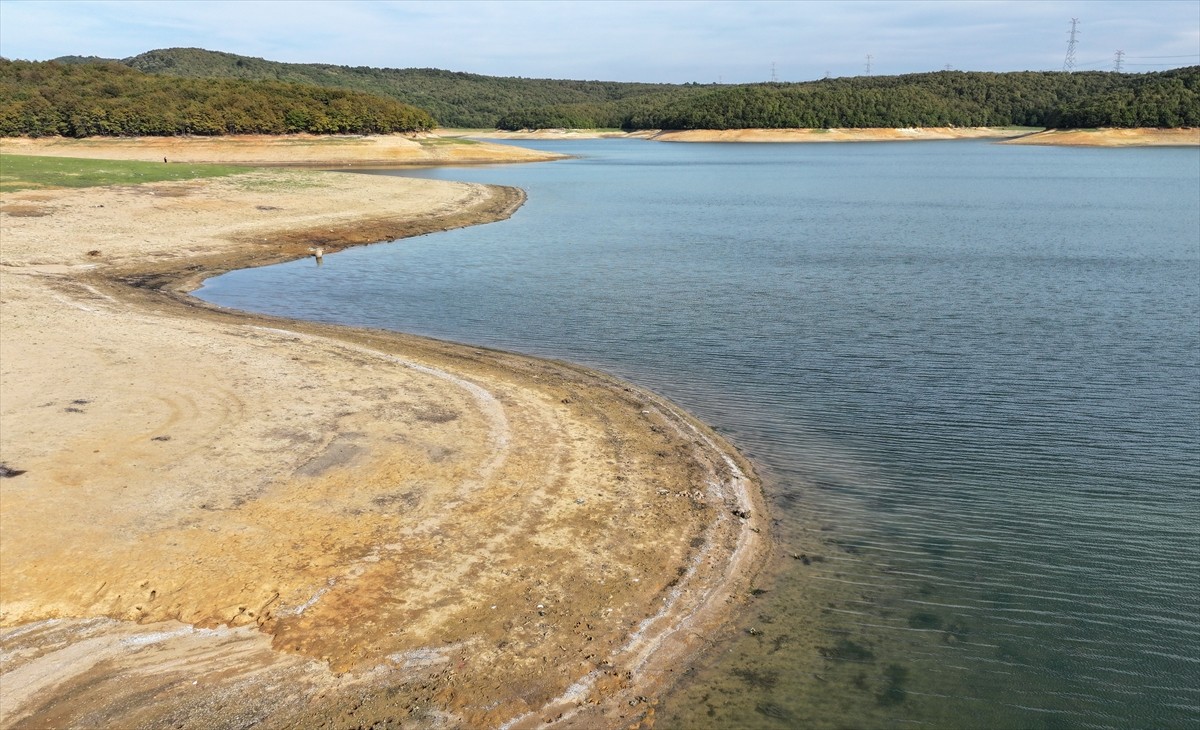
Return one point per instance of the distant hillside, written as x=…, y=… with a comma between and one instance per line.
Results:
x=945, y=98
x=104, y=98
x=455, y=99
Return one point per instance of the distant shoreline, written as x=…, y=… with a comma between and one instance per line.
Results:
x=477, y=146
x=1139, y=137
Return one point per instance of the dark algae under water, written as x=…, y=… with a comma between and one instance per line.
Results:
x=969, y=374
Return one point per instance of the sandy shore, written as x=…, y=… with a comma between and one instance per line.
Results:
x=226, y=520
x=836, y=135
x=755, y=135
x=393, y=150
x=1113, y=138
x=1065, y=137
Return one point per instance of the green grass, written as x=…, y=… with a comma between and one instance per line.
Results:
x=26, y=172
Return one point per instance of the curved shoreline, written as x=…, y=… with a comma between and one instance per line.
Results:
x=636, y=428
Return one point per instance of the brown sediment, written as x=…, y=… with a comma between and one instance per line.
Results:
x=753, y=135
x=227, y=519
x=836, y=135
x=1139, y=137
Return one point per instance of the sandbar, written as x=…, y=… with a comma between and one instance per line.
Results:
x=217, y=519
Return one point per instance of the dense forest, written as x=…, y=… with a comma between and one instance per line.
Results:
x=1036, y=99
x=319, y=97
x=1164, y=99
x=944, y=98
x=82, y=100
x=454, y=99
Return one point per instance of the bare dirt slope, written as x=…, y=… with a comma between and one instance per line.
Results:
x=228, y=521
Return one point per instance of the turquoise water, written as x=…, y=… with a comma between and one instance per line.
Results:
x=969, y=374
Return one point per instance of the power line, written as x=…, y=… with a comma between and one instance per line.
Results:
x=1124, y=63
x=1069, y=61
x=1189, y=55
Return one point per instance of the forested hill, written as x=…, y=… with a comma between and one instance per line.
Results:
x=455, y=99
x=944, y=98
x=86, y=99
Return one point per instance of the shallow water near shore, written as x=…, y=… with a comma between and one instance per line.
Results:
x=968, y=373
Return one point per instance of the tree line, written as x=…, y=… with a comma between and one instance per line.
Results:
x=241, y=94
x=947, y=98
x=454, y=98
x=102, y=98
x=941, y=99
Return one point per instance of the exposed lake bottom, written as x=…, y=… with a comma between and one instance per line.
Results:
x=969, y=375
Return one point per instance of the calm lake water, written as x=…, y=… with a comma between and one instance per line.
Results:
x=969, y=374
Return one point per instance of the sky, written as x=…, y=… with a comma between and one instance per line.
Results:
x=674, y=41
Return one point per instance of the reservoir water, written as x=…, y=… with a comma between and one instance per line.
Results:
x=968, y=373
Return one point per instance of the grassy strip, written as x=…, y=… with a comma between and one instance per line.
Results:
x=26, y=172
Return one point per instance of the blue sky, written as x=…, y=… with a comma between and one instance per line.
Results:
x=676, y=41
